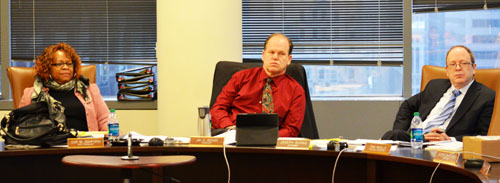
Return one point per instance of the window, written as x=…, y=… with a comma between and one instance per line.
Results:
x=435, y=32
x=115, y=35
x=356, y=46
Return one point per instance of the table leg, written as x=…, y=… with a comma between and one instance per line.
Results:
x=126, y=174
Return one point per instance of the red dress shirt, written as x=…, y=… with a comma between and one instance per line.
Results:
x=243, y=94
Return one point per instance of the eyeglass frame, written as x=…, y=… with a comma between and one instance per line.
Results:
x=462, y=65
x=60, y=65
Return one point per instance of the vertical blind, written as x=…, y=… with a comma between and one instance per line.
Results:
x=447, y=5
x=327, y=30
x=118, y=31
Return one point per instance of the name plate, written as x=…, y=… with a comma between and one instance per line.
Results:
x=383, y=149
x=447, y=157
x=293, y=143
x=207, y=141
x=85, y=142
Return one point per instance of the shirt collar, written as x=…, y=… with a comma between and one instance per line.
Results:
x=464, y=89
x=263, y=76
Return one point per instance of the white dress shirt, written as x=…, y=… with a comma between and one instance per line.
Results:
x=442, y=102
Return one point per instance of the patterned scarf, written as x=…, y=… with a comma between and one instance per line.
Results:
x=41, y=93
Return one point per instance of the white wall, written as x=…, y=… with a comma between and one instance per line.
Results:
x=192, y=36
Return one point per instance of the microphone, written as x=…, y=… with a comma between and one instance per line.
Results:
x=129, y=150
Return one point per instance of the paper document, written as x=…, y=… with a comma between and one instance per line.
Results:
x=145, y=139
x=364, y=141
x=96, y=134
x=446, y=145
x=321, y=144
x=229, y=137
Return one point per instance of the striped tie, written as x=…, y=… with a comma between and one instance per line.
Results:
x=447, y=111
x=267, y=97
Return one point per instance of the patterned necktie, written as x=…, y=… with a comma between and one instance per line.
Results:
x=445, y=114
x=267, y=97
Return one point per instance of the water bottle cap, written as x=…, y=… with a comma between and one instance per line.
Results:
x=112, y=110
x=416, y=114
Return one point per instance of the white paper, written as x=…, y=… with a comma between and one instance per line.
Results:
x=364, y=141
x=229, y=137
x=446, y=145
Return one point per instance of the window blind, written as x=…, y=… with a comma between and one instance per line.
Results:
x=448, y=5
x=118, y=31
x=327, y=30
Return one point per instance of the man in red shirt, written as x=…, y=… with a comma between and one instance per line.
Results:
x=243, y=93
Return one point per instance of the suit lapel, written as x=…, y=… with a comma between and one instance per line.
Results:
x=466, y=103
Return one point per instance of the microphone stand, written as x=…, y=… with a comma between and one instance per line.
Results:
x=129, y=151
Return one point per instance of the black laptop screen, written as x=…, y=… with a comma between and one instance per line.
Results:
x=257, y=119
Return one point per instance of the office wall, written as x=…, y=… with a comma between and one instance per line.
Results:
x=192, y=37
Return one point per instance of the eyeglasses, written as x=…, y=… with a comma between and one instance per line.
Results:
x=69, y=64
x=462, y=65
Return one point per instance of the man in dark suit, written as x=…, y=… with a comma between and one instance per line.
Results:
x=470, y=113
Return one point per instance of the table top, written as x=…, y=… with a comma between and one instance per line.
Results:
x=104, y=161
x=243, y=157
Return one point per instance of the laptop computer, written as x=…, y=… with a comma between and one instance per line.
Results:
x=257, y=129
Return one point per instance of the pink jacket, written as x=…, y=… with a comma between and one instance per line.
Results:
x=97, y=111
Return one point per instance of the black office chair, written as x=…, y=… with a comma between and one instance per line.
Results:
x=224, y=70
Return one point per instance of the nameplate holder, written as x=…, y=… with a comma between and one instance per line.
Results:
x=447, y=157
x=292, y=143
x=85, y=142
x=373, y=148
x=206, y=141
x=485, y=169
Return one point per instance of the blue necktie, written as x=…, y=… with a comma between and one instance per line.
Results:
x=445, y=114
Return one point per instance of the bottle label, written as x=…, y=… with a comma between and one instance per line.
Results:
x=417, y=134
x=114, y=130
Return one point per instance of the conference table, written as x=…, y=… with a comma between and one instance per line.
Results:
x=247, y=164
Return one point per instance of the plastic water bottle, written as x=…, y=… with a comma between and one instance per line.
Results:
x=113, y=126
x=416, y=132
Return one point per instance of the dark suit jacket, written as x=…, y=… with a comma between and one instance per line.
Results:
x=472, y=117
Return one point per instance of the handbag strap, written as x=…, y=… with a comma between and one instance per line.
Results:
x=4, y=122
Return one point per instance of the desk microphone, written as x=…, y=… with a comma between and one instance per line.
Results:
x=337, y=146
x=129, y=151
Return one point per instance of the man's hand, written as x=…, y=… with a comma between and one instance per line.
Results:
x=232, y=127
x=436, y=134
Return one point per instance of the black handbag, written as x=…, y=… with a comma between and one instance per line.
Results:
x=33, y=125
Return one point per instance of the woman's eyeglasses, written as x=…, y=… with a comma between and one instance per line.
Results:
x=69, y=64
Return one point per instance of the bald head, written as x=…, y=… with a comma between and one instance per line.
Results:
x=290, y=44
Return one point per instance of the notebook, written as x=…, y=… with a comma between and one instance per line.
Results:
x=257, y=129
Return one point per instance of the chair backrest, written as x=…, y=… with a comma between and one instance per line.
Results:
x=23, y=77
x=224, y=70
x=488, y=77
x=495, y=117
